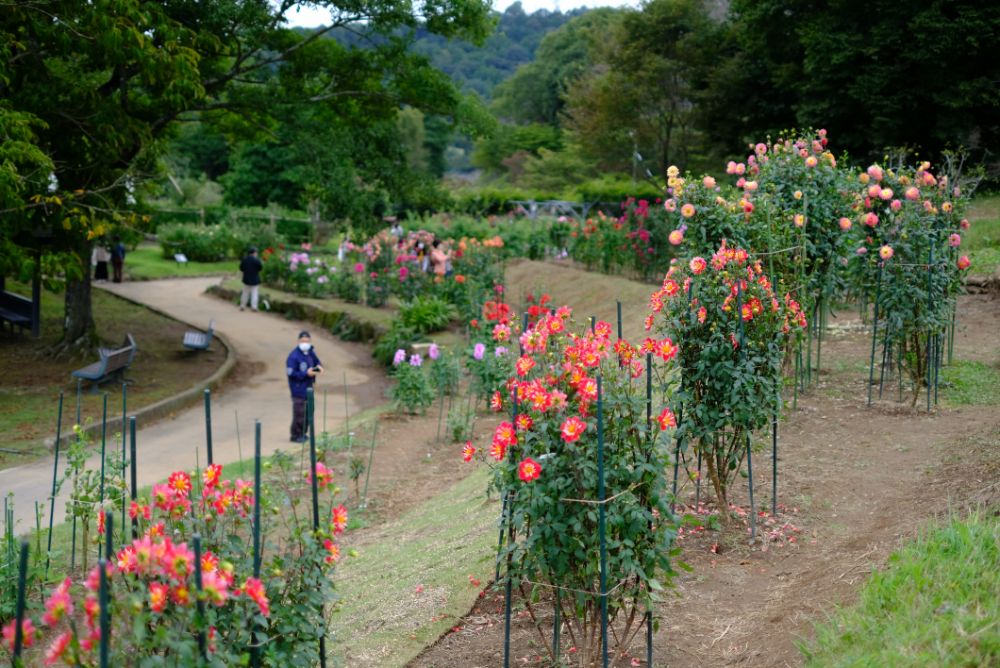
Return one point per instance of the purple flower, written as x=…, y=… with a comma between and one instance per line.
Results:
x=399, y=357
x=322, y=279
x=434, y=352
x=500, y=351
x=416, y=360
x=478, y=351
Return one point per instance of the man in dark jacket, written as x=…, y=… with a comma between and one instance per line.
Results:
x=251, y=268
x=302, y=366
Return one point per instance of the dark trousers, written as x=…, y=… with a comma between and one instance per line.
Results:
x=116, y=265
x=299, y=426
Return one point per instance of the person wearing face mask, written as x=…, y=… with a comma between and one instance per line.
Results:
x=302, y=366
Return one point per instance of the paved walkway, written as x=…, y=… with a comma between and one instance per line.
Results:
x=170, y=444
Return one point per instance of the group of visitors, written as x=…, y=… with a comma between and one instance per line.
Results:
x=302, y=365
x=103, y=254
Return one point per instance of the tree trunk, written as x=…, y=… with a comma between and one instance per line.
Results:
x=79, y=331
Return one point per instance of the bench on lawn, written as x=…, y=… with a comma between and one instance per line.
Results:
x=113, y=362
x=199, y=340
x=15, y=309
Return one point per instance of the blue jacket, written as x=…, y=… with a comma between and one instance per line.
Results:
x=296, y=366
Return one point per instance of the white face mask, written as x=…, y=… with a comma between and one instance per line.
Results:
x=304, y=347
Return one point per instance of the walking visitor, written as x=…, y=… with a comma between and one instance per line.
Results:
x=251, y=267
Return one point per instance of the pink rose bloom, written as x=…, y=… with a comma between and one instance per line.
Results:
x=359, y=268
x=708, y=182
x=895, y=205
x=871, y=220
x=955, y=240
x=760, y=149
x=676, y=237
x=912, y=194
x=845, y=224
x=874, y=191
x=964, y=224
x=862, y=251
x=875, y=172
x=730, y=167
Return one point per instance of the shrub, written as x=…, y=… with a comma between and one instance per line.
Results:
x=427, y=314
x=412, y=392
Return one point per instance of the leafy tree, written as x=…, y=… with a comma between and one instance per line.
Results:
x=535, y=92
x=91, y=89
x=641, y=97
x=919, y=74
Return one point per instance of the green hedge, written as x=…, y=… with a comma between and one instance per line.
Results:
x=211, y=243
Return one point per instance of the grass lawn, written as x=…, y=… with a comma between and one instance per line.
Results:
x=412, y=583
x=935, y=604
x=147, y=263
x=32, y=378
x=982, y=240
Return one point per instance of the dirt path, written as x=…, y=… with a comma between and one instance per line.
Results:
x=259, y=391
x=854, y=481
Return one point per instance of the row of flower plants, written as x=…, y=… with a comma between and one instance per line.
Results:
x=206, y=570
x=591, y=423
x=388, y=266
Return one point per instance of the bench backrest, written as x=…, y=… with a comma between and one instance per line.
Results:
x=118, y=359
x=16, y=303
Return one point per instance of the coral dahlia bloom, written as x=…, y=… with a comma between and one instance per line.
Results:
x=955, y=240
x=885, y=252
x=845, y=224
x=524, y=365
x=338, y=518
x=964, y=262
x=529, y=470
x=180, y=483
x=666, y=419
x=505, y=434
x=697, y=265
x=687, y=210
x=158, y=596
x=572, y=428
x=468, y=452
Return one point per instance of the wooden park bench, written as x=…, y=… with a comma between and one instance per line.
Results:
x=199, y=340
x=15, y=309
x=113, y=362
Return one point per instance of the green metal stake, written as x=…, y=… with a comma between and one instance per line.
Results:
x=22, y=578
x=55, y=475
x=440, y=413
x=510, y=538
x=368, y=471
x=311, y=421
x=104, y=436
x=133, y=476
x=871, y=363
x=208, y=425
x=601, y=522
x=104, y=607
x=930, y=306
x=124, y=454
x=556, y=626
x=202, y=638
x=254, y=649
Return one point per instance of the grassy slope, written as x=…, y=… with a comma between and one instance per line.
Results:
x=383, y=619
x=147, y=263
x=935, y=604
x=589, y=294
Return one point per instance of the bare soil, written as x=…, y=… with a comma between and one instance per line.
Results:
x=853, y=483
